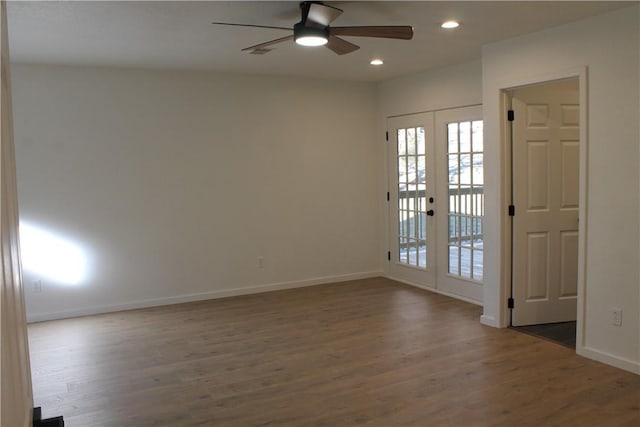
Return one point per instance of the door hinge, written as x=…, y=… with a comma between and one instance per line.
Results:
x=387, y=196
x=512, y=210
x=389, y=256
x=511, y=115
x=510, y=303
x=386, y=135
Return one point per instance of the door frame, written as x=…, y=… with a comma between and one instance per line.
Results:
x=559, y=308
x=579, y=73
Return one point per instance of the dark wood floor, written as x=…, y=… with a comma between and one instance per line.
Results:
x=371, y=352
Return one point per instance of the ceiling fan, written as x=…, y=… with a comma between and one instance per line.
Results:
x=314, y=30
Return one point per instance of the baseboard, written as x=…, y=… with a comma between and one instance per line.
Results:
x=178, y=299
x=489, y=321
x=610, y=359
x=435, y=290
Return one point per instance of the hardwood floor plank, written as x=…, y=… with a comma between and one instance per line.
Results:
x=372, y=352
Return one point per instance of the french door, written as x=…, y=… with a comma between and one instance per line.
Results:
x=412, y=198
x=460, y=179
x=436, y=200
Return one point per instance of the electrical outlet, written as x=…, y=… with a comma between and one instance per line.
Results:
x=37, y=286
x=616, y=316
x=260, y=262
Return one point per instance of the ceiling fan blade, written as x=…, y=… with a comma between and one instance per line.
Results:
x=403, y=32
x=269, y=43
x=340, y=46
x=323, y=14
x=250, y=25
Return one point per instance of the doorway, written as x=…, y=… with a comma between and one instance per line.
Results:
x=436, y=201
x=545, y=160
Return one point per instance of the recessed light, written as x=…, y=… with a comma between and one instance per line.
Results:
x=376, y=61
x=450, y=24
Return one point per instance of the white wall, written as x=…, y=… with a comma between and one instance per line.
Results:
x=442, y=88
x=176, y=182
x=609, y=47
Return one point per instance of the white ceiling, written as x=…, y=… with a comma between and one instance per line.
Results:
x=178, y=35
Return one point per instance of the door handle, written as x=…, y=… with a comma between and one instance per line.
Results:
x=430, y=212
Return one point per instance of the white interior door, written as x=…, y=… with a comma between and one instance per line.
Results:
x=545, y=193
x=412, y=199
x=460, y=197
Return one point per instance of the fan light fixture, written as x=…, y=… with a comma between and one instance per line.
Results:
x=310, y=36
x=376, y=61
x=314, y=30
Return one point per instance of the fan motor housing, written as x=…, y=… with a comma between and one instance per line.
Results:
x=301, y=30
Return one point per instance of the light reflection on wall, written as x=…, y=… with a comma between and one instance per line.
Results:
x=51, y=256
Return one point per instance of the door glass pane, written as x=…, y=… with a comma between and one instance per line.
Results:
x=421, y=142
x=413, y=254
x=466, y=199
x=465, y=168
x=476, y=136
x=454, y=260
x=421, y=170
x=402, y=146
x=411, y=170
x=423, y=227
x=477, y=174
x=452, y=136
x=465, y=137
x=411, y=141
x=412, y=203
x=402, y=169
x=454, y=169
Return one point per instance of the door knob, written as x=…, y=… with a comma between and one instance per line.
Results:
x=430, y=212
